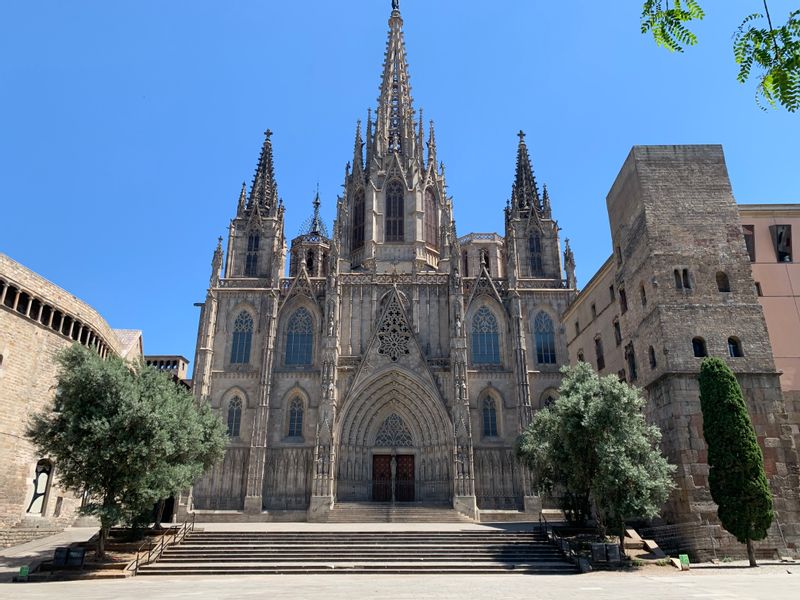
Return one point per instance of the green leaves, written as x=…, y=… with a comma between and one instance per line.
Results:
x=593, y=445
x=736, y=477
x=665, y=19
x=776, y=53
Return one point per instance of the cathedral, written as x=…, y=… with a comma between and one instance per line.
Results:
x=399, y=360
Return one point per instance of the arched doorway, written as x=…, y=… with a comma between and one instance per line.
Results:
x=394, y=443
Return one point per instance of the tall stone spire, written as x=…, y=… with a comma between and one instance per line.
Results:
x=264, y=192
x=358, y=150
x=525, y=192
x=394, y=125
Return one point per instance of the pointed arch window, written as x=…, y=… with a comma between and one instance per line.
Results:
x=358, y=221
x=234, y=416
x=535, y=255
x=299, y=338
x=242, y=338
x=395, y=212
x=485, y=338
x=431, y=220
x=544, y=332
x=393, y=433
x=251, y=260
x=489, y=417
x=296, y=418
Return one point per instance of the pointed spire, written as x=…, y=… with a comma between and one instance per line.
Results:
x=525, y=193
x=395, y=132
x=546, y=210
x=314, y=225
x=432, y=145
x=569, y=266
x=265, y=191
x=358, y=149
x=216, y=264
x=242, y=199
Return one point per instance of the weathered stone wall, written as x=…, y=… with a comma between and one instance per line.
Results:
x=28, y=346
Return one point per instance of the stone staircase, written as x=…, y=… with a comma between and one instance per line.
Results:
x=390, y=552
x=373, y=512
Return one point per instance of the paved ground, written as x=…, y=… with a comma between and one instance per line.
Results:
x=32, y=553
x=771, y=582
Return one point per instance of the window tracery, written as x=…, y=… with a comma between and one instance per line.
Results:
x=242, y=338
x=489, y=417
x=393, y=433
x=300, y=338
x=544, y=333
x=296, y=418
x=394, y=212
x=234, y=416
x=393, y=333
x=485, y=338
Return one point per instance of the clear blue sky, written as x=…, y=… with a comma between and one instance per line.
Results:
x=126, y=128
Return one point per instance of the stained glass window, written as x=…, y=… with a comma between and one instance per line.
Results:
x=242, y=338
x=299, y=338
x=545, y=339
x=485, y=338
x=489, y=418
x=296, y=418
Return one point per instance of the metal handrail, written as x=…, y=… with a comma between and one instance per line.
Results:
x=154, y=551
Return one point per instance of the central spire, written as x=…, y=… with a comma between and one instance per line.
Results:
x=394, y=125
x=525, y=192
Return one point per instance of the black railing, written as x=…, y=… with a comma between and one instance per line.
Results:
x=151, y=551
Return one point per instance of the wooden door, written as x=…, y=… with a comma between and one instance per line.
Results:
x=381, y=477
x=404, y=490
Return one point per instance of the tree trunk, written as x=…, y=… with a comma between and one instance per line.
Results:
x=751, y=553
x=622, y=540
x=159, y=514
x=100, y=552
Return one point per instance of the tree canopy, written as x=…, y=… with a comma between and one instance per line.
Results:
x=124, y=434
x=771, y=50
x=594, y=447
x=736, y=477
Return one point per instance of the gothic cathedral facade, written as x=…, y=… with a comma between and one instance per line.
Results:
x=397, y=361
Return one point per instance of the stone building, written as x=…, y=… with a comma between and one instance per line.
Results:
x=678, y=287
x=37, y=319
x=398, y=360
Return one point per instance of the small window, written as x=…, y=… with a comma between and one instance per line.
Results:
x=678, y=280
x=310, y=262
x=782, y=241
x=535, y=252
x=687, y=284
x=617, y=332
x=395, y=212
x=630, y=359
x=619, y=255
x=465, y=261
x=234, y=417
x=489, y=418
x=723, y=283
x=759, y=291
x=357, y=240
x=577, y=328
x=598, y=351
x=621, y=376
x=581, y=357
x=485, y=338
x=651, y=354
x=750, y=241
x=611, y=295
x=699, y=347
x=642, y=294
x=251, y=260
x=544, y=332
x=242, y=338
x=548, y=401
x=594, y=310
x=623, y=301
x=735, y=347
x=296, y=418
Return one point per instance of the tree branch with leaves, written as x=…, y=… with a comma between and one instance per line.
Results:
x=761, y=49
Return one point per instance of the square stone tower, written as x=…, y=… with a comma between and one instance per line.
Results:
x=682, y=272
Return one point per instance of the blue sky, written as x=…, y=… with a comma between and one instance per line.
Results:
x=127, y=128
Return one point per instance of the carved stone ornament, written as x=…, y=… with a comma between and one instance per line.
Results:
x=393, y=333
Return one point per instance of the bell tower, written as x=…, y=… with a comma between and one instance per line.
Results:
x=394, y=203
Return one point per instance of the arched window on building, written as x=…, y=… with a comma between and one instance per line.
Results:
x=395, y=206
x=699, y=347
x=651, y=354
x=234, y=416
x=735, y=347
x=310, y=263
x=489, y=417
x=41, y=485
x=242, y=338
x=723, y=283
x=299, y=338
x=251, y=260
x=485, y=338
x=535, y=255
x=296, y=418
x=431, y=220
x=465, y=260
x=544, y=332
x=357, y=241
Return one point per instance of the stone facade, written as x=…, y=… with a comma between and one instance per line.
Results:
x=678, y=287
x=399, y=360
x=37, y=320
